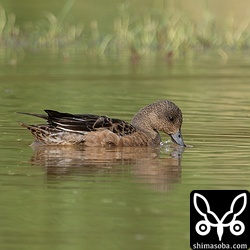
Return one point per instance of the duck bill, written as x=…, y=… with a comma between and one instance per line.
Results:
x=177, y=138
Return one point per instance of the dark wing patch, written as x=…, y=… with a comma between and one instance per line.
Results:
x=87, y=122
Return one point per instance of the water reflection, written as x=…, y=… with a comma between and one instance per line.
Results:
x=158, y=167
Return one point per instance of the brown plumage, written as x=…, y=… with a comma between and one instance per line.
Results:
x=94, y=130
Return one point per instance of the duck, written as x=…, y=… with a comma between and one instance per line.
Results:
x=100, y=130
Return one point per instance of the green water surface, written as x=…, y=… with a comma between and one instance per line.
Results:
x=57, y=198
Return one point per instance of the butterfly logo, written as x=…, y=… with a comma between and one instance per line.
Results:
x=203, y=227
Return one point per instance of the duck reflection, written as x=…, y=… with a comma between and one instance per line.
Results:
x=158, y=167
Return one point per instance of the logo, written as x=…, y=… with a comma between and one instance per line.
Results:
x=219, y=219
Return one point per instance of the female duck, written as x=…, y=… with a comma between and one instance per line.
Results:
x=94, y=130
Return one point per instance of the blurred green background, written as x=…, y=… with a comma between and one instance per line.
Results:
x=105, y=11
x=113, y=58
x=133, y=28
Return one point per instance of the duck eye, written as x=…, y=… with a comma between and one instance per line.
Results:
x=171, y=118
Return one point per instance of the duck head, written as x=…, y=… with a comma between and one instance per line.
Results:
x=162, y=116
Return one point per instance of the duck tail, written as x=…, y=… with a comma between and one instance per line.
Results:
x=32, y=114
x=23, y=124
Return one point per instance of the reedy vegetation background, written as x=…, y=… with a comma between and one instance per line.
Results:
x=132, y=28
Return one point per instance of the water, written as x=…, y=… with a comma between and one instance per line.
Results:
x=82, y=198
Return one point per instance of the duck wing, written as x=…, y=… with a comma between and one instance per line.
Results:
x=83, y=123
